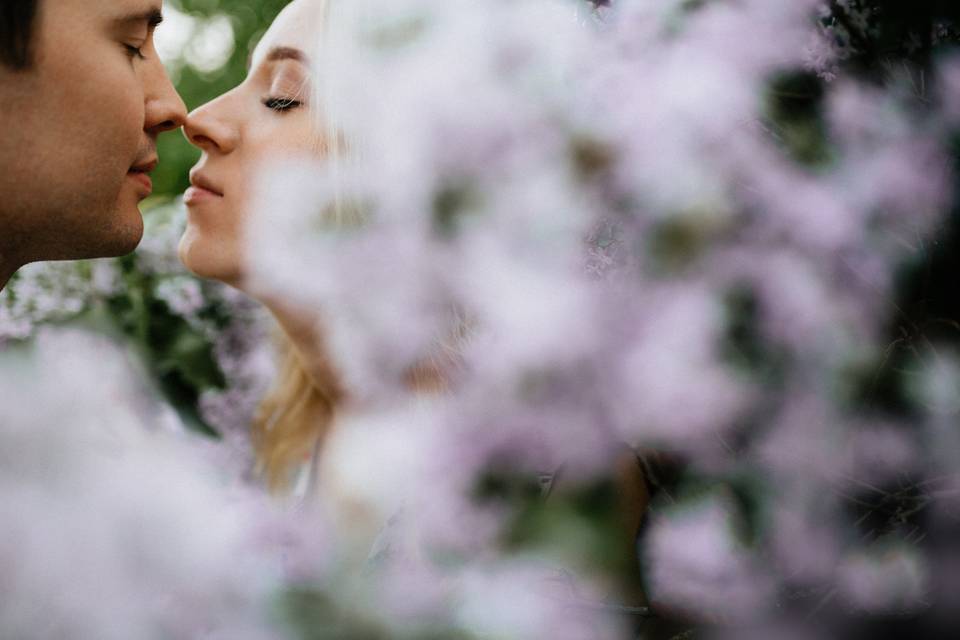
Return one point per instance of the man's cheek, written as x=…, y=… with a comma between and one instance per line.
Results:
x=125, y=116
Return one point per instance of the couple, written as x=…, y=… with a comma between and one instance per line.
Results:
x=82, y=81
x=84, y=98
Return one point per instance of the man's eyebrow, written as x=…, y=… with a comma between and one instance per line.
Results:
x=152, y=17
x=283, y=53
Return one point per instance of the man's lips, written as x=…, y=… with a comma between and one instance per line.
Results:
x=139, y=173
x=143, y=180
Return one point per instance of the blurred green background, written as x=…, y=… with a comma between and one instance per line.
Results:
x=205, y=45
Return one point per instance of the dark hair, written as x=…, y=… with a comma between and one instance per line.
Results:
x=16, y=32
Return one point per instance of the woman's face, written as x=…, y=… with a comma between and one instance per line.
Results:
x=265, y=119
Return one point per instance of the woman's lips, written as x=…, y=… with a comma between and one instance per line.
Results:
x=194, y=195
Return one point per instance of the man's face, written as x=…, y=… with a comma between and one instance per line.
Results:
x=80, y=129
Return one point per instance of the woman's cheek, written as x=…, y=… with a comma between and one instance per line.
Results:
x=298, y=136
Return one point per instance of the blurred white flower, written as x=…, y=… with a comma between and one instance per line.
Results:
x=698, y=567
x=524, y=599
x=882, y=580
x=112, y=529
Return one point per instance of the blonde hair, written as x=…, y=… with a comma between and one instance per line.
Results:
x=298, y=411
x=291, y=418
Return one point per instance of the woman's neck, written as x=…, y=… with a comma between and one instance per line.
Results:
x=306, y=334
x=303, y=329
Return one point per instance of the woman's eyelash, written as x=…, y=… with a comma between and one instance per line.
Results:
x=282, y=104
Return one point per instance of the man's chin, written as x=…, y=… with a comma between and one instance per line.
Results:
x=129, y=245
x=118, y=239
x=124, y=237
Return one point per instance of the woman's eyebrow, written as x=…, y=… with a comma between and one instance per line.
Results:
x=287, y=53
x=283, y=53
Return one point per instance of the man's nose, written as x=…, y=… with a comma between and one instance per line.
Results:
x=164, y=108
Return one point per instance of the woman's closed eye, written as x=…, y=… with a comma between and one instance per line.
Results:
x=282, y=104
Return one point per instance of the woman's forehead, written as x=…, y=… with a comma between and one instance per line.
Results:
x=297, y=27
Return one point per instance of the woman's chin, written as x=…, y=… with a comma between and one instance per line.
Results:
x=206, y=261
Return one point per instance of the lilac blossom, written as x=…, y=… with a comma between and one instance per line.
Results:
x=480, y=172
x=601, y=231
x=52, y=292
x=699, y=567
x=112, y=528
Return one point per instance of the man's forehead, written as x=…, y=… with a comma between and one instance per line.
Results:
x=119, y=10
x=138, y=10
x=79, y=16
